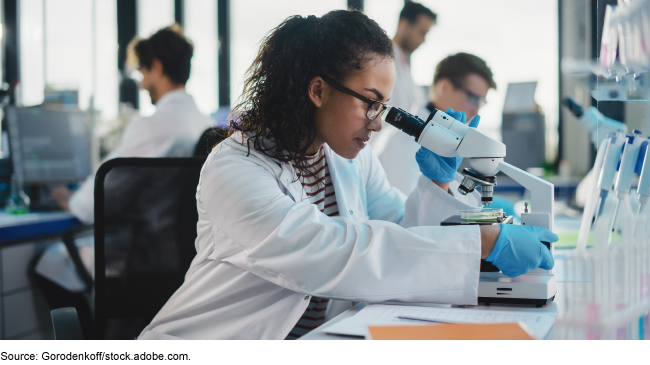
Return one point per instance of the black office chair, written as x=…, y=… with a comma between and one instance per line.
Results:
x=173, y=180
x=145, y=227
x=210, y=138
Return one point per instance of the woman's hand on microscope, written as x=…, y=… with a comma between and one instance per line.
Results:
x=519, y=249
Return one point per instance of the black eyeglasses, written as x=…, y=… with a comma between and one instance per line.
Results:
x=471, y=97
x=375, y=107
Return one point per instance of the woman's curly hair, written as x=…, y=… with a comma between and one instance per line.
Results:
x=275, y=103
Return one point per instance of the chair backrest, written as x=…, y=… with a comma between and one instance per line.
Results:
x=210, y=138
x=145, y=228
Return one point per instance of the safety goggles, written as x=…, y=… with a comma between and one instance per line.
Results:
x=472, y=98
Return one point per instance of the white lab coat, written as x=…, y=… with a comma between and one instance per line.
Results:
x=172, y=131
x=263, y=250
x=394, y=148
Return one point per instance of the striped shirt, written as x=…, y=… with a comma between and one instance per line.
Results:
x=320, y=192
x=319, y=188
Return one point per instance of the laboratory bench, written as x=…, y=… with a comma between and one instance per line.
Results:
x=554, y=307
x=23, y=311
x=34, y=226
x=562, y=224
x=320, y=332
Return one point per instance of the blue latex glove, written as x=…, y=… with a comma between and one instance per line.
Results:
x=443, y=169
x=519, y=249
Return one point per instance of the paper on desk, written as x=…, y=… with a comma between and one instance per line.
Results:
x=536, y=323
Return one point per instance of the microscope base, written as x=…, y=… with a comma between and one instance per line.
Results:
x=532, y=288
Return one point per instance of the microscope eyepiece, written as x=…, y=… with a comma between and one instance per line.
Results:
x=406, y=122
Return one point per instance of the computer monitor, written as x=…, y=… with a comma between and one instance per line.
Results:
x=49, y=145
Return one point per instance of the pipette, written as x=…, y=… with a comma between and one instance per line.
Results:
x=610, y=164
x=638, y=230
x=643, y=190
x=592, y=198
x=641, y=225
x=626, y=170
x=606, y=202
x=622, y=212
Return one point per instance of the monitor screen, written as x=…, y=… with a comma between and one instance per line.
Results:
x=49, y=145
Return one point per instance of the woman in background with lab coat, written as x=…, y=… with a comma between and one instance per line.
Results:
x=294, y=211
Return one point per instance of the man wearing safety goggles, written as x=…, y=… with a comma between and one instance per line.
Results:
x=461, y=82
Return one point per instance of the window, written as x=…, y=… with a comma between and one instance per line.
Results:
x=249, y=27
x=201, y=28
x=107, y=74
x=32, y=57
x=152, y=15
x=65, y=49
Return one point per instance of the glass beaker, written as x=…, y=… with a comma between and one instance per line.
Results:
x=18, y=201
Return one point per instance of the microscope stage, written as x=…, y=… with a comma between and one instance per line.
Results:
x=455, y=220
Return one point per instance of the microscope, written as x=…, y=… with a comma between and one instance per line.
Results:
x=448, y=137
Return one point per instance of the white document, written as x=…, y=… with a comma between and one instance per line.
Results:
x=536, y=323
